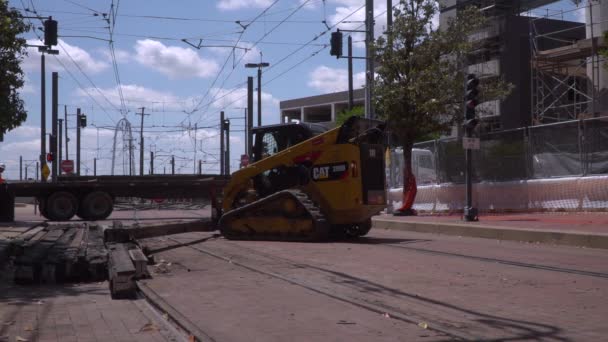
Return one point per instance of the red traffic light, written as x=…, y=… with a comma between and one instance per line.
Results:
x=50, y=157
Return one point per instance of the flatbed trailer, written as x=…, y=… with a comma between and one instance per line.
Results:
x=92, y=197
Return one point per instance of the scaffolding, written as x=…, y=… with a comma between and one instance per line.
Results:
x=565, y=67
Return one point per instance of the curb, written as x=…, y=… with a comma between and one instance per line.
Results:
x=175, y=316
x=496, y=232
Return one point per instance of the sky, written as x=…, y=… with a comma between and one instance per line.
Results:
x=183, y=62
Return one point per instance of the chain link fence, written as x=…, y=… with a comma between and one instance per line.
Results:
x=537, y=155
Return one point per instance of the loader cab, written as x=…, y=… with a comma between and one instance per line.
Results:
x=271, y=139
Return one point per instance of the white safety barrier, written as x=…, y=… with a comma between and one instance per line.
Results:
x=558, y=194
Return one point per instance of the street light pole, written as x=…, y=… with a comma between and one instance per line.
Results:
x=259, y=66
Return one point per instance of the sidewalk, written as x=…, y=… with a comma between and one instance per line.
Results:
x=573, y=229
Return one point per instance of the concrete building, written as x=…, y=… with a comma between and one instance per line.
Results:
x=319, y=108
x=509, y=51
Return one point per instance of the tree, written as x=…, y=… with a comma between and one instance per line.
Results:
x=345, y=114
x=420, y=82
x=12, y=51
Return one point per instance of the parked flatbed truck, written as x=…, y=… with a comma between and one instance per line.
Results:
x=92, y=197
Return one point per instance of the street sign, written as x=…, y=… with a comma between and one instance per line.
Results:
x=45, y=171
x=470, y=143
x=244, y=160
x=67, y=166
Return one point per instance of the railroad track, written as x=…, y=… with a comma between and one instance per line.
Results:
x=496, y=261
x=444, y=319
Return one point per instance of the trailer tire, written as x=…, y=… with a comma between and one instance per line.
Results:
x=42, y=208
x=61, y=206
x=97, y=205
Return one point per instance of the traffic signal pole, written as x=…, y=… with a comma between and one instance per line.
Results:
x=470, y=213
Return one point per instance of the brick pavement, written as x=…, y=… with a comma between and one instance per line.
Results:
x=573, y=229
x=583, y=222
x=83, y=312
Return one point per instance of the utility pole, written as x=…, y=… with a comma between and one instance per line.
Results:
x=227, y=156
x=37, y=169
x=42, y=114
x=222, y=149
x=172, y=164
x=54, y=122
x=50, y=39
x=141, y=142
x=20, y=168
x=151, y=162
x=369, y=65
x=259, y=66
x=195, y=145
x=249, y=117
x=350, y=73
x=389, y=15
x=60, y=141
x=78, y=141
x=67, y=139
x=94, y=166
x=200, y=166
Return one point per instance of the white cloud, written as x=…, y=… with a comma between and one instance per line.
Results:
x=122, y=56
x=173, y=61
x=326, y=79
x=137, y=96
x=28, y=88
x=24, y=132
x=229, y=5
x=85, y=61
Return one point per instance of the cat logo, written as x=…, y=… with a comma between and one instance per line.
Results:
x=329, y=172
x=321, y=172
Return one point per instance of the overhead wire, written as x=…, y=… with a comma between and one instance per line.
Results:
x=232, y=53
x=112, y=22
x=259, y=40
x=75, y=63
x=274, y=64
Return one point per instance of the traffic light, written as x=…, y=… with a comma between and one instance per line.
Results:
x=50, y=32
x=472, y=92
x=50, y=157
x=336, y=44
x=82, y=121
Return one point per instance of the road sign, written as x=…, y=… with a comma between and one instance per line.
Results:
x=470, y=143
x=67, y=166
x=45, y=171
x=244, y=160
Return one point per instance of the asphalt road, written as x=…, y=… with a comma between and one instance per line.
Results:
x=386, y=287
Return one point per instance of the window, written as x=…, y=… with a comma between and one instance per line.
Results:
x=269, y=145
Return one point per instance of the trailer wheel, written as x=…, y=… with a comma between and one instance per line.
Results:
x=97, y=205
x=42, y=207
x=61, y=206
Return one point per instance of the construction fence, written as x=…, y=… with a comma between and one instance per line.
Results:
x=548, y=159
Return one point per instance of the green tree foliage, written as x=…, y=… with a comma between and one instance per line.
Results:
x=12, y=51
x=420, y=79
x=345, y=114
